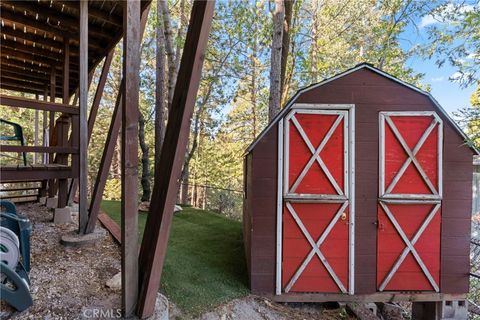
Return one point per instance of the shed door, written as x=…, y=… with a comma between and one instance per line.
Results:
x=316, y=209
x=409, y=209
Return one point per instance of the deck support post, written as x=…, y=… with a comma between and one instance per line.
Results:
x=82, y=127
x=157, y=229
x=51, y=127
x=63, y=133
x=43, y=190
x=109, y=148
x=36, y=129
x=93, y=114
x=129, y=209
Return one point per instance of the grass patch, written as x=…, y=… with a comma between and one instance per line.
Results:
x=205, y=264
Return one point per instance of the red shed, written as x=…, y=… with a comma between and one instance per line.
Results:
x=359, y=190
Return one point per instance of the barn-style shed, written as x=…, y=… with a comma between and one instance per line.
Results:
x=359, y=190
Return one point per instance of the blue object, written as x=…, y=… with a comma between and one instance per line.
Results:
x=17, y=136
x=21, y=226
x=9, y=206
x=17, y=296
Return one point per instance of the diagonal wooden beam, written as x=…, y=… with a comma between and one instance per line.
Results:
x=93, y=116
x=157, y=229
x=105, y=163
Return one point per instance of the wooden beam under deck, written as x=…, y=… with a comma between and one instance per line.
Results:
x=44, y=12
x=35, y=172
x=37, y=105
x=39, y=149
x=82, y=119
x=129, y=209
x=91, y=121
x=109, y=148
x=157, y=228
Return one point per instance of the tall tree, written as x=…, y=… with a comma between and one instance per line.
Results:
x=287, y=25
x=169, y=49
x=145, y=177
x=159, y=86
x=276, y=60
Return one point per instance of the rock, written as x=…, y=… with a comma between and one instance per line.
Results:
x=161, y=308
x=115, y=282
x=144, y=206
x=177, y=208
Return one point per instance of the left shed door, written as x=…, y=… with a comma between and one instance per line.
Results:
x=316, y=204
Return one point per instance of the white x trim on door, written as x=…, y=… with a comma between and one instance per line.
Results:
x=315, y=247
x=385, y=117
x=315, y=157
x=343, y=195
x=409, y=246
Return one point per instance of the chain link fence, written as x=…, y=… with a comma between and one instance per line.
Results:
x=225, y=201
x=474, y=294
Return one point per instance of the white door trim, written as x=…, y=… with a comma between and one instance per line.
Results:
x=385, y=191
x=348, y=196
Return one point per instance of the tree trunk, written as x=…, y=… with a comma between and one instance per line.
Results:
x=180, y=35
x=276, y=60
x=185, y=183
x=172, y=74
x=253, y=87
x=145, y=181
x=159, y=89
x=287, y=25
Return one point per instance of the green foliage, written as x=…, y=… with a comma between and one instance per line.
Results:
x=456, y=39
x=113, y=189
x=205, y=264
x=469, y=118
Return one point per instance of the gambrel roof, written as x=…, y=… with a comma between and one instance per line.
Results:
x=368, y=66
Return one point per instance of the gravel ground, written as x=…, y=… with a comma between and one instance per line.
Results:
x=66, y=281
x=69, y=283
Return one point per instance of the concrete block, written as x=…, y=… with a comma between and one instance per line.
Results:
x=442, y=310
x=52, y=202
x=62, y=215
x=42, y=200
x=73, y=239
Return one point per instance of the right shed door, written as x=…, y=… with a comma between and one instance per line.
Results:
x=409, y=206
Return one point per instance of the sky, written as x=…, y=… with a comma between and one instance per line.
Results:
x=448, y=93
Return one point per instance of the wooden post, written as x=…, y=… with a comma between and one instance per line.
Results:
x=83, y=131
x=51, y=127
x=35, y=134
x=105, y=163
x=155, y=239
x=93, y=113
x=109, y=149
x=129, y=227
x=63, y=140
x=43, y=189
